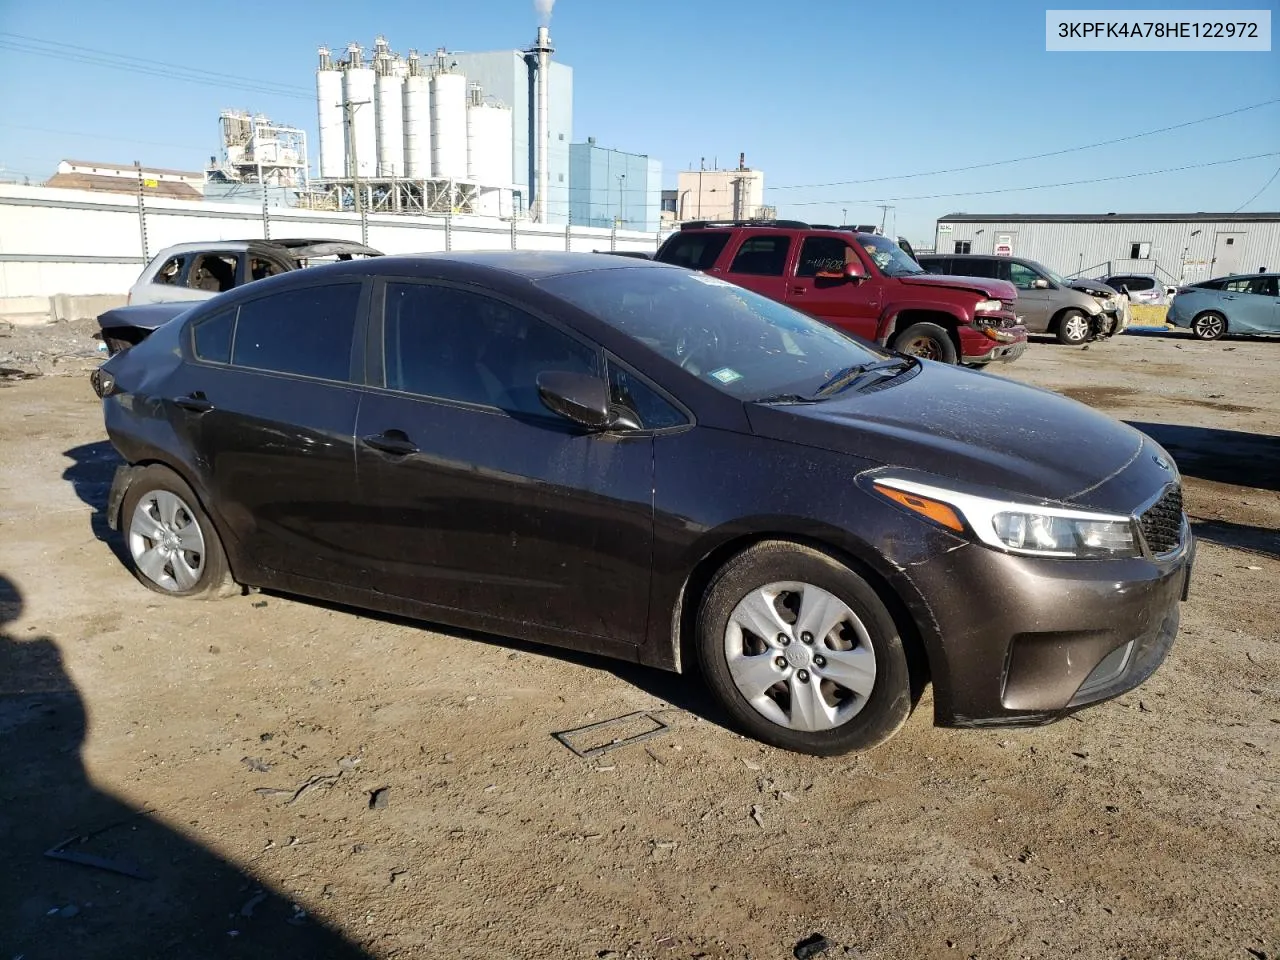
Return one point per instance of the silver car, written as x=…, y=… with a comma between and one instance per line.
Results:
x=1141, y=288
x=198, y=271
x=1047, y=302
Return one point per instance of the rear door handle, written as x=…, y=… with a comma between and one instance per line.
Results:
x=196, y=402
x=394, y=442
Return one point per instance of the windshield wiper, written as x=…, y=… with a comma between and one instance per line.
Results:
x=785, y=398
x=856, y=375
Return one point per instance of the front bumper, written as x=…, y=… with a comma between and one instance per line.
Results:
x=1047, y=636
x=984, y=343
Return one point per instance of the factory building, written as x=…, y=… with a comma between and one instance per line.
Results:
x=721, y=194
x=1176, y=247
x=484, y=133
x=610, y=187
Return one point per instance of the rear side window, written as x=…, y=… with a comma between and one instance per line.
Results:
x=214, y=272
x=1238, y=286
x=457, y=345
x=762, y=256
x=973, y=267
x=696, y=250
x=171, y=272
x=306, y=332
x=212, y=337
x=823, y=255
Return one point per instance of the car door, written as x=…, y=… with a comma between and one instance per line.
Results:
x=1035, y=304
x=477, y=499
x=851, y=305
x=759, y=263
x=269, y=409
x=1256, y=309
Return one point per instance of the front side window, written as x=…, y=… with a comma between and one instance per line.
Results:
x=214, y=272
x=457, y=345
x=1264, y=286
x=762, y=256
x=629, y=391
x=739, y=342
x=1022, y=277
x=306, y=331
x=824, y=255
x=697, y=250
x=260, y=268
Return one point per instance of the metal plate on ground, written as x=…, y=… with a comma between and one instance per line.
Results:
x=597, y=738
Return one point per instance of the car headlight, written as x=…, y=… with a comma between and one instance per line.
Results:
x=1023, y=528
x=988, y=306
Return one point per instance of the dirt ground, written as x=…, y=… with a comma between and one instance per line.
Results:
x=297, y=780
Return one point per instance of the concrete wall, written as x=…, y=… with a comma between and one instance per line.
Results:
x=77, y=243
x=1181, y=251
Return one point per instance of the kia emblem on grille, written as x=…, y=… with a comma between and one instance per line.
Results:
x=1161, y=462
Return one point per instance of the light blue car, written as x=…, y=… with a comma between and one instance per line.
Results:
x=1237, y=304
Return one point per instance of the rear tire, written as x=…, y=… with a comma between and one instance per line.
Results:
x=823, y=693
x=928, y=341
x=1073, y=328
x=171, y=540
x=1209, y=325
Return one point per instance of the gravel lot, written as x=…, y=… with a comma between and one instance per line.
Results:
x=300, y=780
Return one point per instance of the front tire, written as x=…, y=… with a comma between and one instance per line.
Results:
x=801, y=652
x=1209, y=325
x=1073, y=328
x=171, y=540
x=927, y=341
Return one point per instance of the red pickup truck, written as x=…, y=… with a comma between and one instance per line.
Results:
x=860, y=282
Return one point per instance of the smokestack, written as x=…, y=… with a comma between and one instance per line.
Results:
x=742, y=161
x=542, y=51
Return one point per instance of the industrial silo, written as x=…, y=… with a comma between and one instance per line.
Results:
x=417, y=121
x=333, y=146
x=390, y=115
x=449, y=126
x=358, y=86
x=489, y=133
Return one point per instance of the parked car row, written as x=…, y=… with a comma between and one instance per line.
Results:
x=1237, y=304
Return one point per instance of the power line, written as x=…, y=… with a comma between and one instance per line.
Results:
x=161, y=70
x=1260, y=192
x=1034, y=156
x=1041, y=186
x=98, y=136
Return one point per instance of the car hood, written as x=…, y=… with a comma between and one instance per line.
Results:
x=145, y=316
x=972, y=427
x=998, y=289
x=1095, y=288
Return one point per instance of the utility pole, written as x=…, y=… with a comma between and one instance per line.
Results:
x=884, y=212
x=349, y=112
x=844, y=213
x=622, y=207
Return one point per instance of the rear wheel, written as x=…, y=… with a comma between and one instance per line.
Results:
x=1073, y=328
x=1209, y=325
x=174, y=548
x=801, y=652
x=927, y=341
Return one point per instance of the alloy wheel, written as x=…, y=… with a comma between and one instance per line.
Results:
x=166, y=541
x=800, y=656
x=924, y=347
x=1209, y=327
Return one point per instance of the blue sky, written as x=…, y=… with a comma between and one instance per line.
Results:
x=813, y=93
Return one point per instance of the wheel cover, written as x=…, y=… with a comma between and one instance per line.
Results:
x=800, y=656
x=924, y=347
x=1210, y=326
x=1077, y=328
x=166, y=541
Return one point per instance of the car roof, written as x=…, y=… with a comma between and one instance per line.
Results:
x=291, y=246
x=529, y=264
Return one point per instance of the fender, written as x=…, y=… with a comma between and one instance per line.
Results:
x=887, y=325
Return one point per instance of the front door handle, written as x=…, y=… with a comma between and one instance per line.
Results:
x=799, y=291
x=394, y=442
x=196, y=402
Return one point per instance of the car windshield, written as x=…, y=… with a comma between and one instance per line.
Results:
x=889, y=257
x=743, y=344
x=1056, y=277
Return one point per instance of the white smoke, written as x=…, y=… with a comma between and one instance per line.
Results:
x=544, y=11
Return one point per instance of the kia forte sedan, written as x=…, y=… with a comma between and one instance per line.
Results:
x=638, y=460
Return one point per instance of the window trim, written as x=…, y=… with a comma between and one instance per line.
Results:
x=357, y=347
x=376, y=344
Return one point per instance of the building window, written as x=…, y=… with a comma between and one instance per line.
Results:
x=963, y=246
x=1139, y=251
x=561, y=176
x=562, y=136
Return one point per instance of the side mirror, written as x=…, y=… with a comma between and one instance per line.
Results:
x=579, y=397
x=1040, y=283
x=851, y=271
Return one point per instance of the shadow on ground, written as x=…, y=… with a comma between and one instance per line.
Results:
x=1239, y=536
x=1221, y=456
x=92, y=467
x=175, y=898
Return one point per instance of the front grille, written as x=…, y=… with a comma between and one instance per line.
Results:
x=1161, y=523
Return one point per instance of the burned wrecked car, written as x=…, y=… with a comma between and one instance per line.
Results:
x=642, y=461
